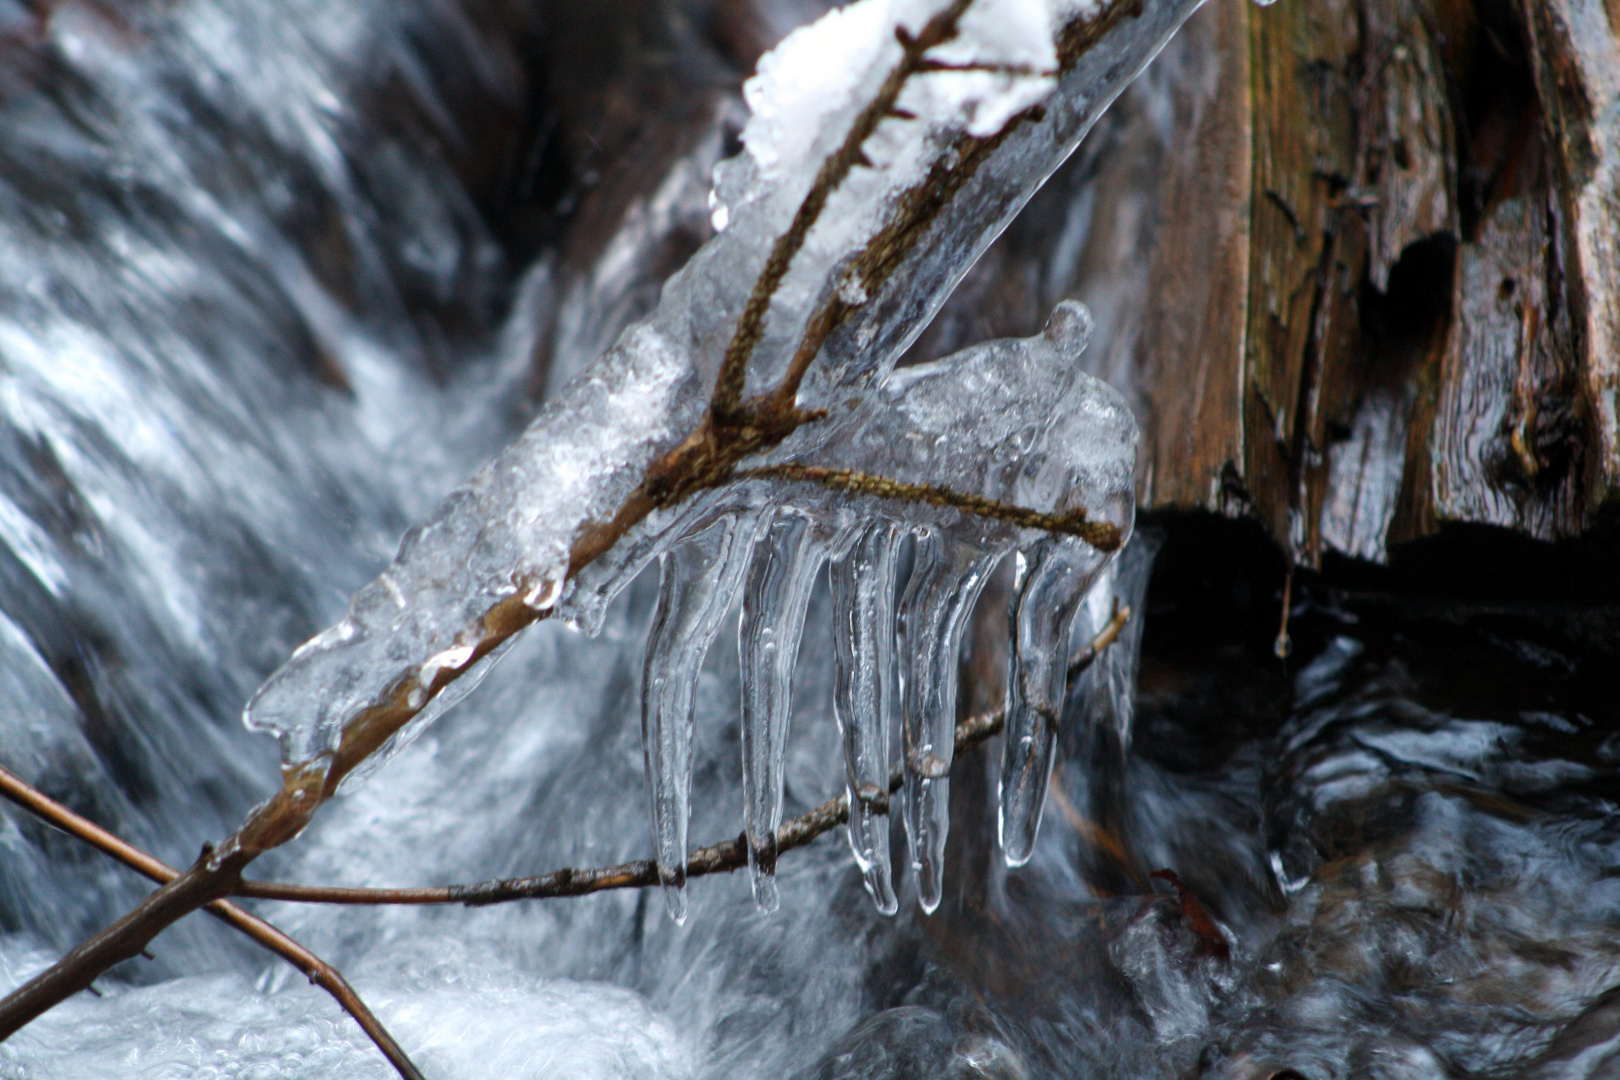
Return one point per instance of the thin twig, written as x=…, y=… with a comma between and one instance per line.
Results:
x=728, y=388
x=733, y=428
x=1102, y=535
x=707, y=458
x=1020, y=71
x=318, y=971
x=718, y=858
x=1105, y=637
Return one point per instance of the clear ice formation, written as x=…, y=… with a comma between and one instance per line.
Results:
x=1051, y=586
x=1014, y=421
x=699, y=579
x=503, y=541
x=862, y=585
x=768, y=634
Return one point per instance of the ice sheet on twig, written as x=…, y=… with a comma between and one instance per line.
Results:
x=1012, y=421
x=910, y=229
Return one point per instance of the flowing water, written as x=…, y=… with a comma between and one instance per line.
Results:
x=257, y=315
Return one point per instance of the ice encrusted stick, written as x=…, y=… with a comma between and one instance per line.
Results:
x=947, y=576
x=784, y=569
x=863, y=583
x=699, y=580
x=956, y=158
x=1012, y=421
x=1051, y=585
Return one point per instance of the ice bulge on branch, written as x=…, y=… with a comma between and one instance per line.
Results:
x=1011, y=424
x=866, y=189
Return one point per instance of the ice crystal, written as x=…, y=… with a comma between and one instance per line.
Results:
x=978, y=121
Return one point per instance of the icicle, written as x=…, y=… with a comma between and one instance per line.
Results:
x=1102, y=701
x=699, y=579
x=1127, y=582
x=768, y=636
x=863, y=694
x=1053, y=577
x=584, y=601
x=946, y=578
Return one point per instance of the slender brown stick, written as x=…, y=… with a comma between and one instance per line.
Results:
x=1284, y=644
x=1105, y=637
x=728, y=387
x=1102, y=535
x=318, y=971
x=718, y=858
x=705, y=459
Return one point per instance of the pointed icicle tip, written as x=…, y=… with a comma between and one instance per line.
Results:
x=675, y=899
x=698, y=579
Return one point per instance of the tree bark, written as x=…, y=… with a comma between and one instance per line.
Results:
x=1358, y=265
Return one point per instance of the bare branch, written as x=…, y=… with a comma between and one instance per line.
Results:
x=1023, y=71
x=728, y=389
x=1102, y=535
x=718, y=858
x=318, y=971
x=1105, y=637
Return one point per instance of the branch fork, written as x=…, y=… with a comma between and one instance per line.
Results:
x=732, y=430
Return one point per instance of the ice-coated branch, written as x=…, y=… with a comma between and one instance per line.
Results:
x=728, y=387
x=1006, y=447
x=725, y=857
x=318, y=971
x=607, y=463
x=1102, y=535
x=602, y=473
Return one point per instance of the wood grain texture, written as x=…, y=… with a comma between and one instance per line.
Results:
x=1501, y=445
x=1305, y=245
x=1197, y=287
x=1431, y=299
x=1575, y=46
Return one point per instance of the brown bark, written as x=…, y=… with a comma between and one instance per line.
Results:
x=1398, y=143
x=1357, y=264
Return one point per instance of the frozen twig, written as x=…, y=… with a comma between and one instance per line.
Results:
x=735, y=429
x=724, y=857
x=1102, y=535
x=1105, y=637
x=718, y=858
x=728, y=388
x=707, y=458
x=318, y=971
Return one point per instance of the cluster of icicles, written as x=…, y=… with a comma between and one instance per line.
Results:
x=1014, y=421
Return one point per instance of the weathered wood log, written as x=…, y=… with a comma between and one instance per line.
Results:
x=1356, y=263
x=1574, y=48
x=1401, y=135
